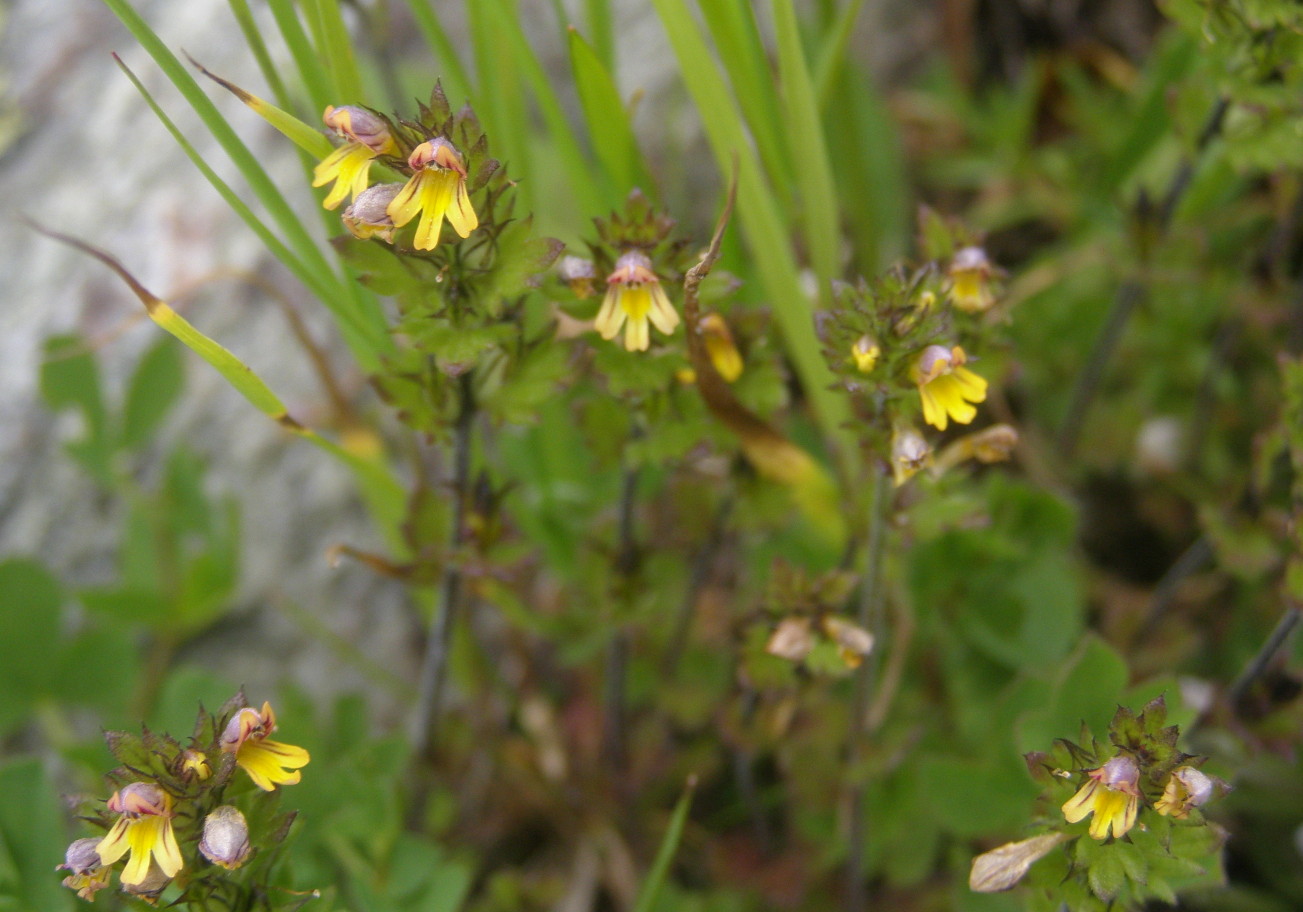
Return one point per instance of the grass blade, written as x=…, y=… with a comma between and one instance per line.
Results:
x=759, y=216
x=607, y=117
x=819, y=212
x=336, y=48
x=455, y=78
x=306, y=59
x=253, y=37
x=651, y=887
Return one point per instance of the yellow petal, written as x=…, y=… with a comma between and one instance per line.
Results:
x=114, y=844
x=611, y=316
x=461, y=215
x=1082, y=803
x=406, y=204
x=663, y=314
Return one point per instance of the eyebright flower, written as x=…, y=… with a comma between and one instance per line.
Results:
x=909, y=453
x=970, y=287
x=349, y=166
x=1187, y=788
x=720, y=346
x=634, y=293
x=853, y=642
x=368, y=215
x=226, y=837
x=144, y=830
x=268, y=763
x=436, y=189
x=1112, y=794
x=946, y=387
x=87, y=875
x=865, y=353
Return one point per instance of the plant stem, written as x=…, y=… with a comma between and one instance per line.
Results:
x=617, y=650
x=430, y=683
x=1130, y=294
x=869, y=616
x=1254, y=670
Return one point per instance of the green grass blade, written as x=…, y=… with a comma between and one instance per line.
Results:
x=499, y=100
x=241, y=208
x=660, y=868
x=253, y=37
x=306, y=58
x=760, y=217
x=814, y=174
x=336, y=46
x=832, y=55
x=601, y=30
x=733, y=28
x=375, y=479
x=607, y=117
x=309, y=139
x=453, y=72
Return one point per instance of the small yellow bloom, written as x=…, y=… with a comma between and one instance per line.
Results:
x=970, y=285
x=349, y=166
x=865, y=353
x=144, y=830
x=1112, y=794
x=268, y=763
x=946, y=387
x=634, y=293
x=853, y=642
x=720, y=346
x=87, y=875
x=1187, y=788
x=194, y=764
x=437, y=188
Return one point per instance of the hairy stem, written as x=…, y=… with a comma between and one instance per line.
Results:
x=430, y=683
x=869, y=616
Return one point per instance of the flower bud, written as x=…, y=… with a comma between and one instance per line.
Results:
x=360, y=126
x=792, y=640
x=194, y=764
x=865, y=353
x=1187, y=788
x=150, y=887
x=853, y=642
x=910, y=452
x=368, y=215
x=720, y=346
x=970, y=273
x=226, y=837
x=580, y=274
x=86, y=874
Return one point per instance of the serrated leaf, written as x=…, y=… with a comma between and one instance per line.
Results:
x=1106, y=875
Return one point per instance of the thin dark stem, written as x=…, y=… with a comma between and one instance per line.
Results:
x=1254, y=670
x=1192, y=560
x=697, y=579
x=869, y=616
x=614, y=728
x=430, y=684
x=1130, y=294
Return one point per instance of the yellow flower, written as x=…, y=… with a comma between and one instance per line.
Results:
x=436, y=189
x=1186, y=789
x=349, y=166
x=193, y=764
x=634, y=293
x=946, y=387
x=144, y=830
x=970, y=286
x=865, y=353
x=1112, y=794
x=268, y=763
x=87, y=875
x=720, y=346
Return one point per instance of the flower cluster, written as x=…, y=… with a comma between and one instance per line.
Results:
x=435, y=153
x=1140, y=792
x=170, y=818
x=901, y=346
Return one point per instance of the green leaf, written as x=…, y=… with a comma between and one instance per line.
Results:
x=31, y=827
x=30, y=599
x=155, y=385
x=70, y=379
x=1106, y=875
